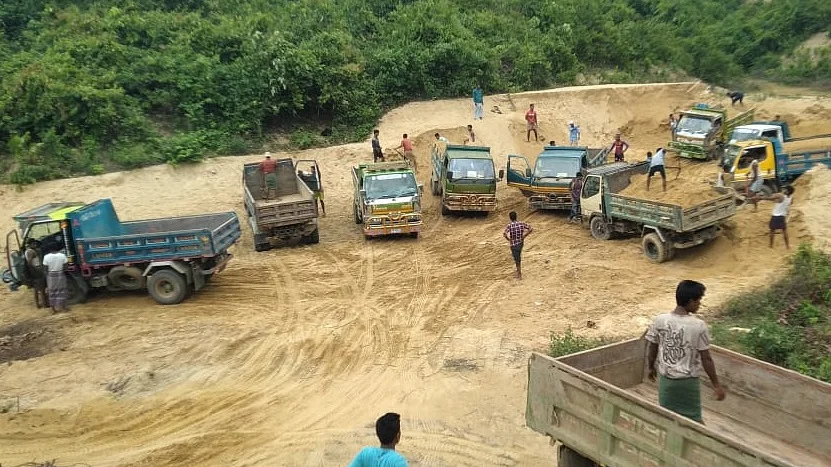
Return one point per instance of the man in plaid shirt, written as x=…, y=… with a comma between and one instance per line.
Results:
x=515, y=233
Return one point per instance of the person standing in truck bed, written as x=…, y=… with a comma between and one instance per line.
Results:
x=619, y=147
x=679, y=349
x=268, y=169
x=409, y=156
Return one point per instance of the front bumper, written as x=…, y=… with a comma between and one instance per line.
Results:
x=551, y=201
x=470, y=203
x=388, y=225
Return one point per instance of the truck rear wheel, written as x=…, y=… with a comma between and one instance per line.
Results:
x=167, y=287
x=600, y=229
x=568, y=457
x=127, y=278
x=655, y=249
x=313, y=237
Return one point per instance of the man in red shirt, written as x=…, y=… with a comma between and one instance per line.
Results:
x=268, y=169
x=515, y=233
x=407, y=145
x=531, y=123
x=619, y=147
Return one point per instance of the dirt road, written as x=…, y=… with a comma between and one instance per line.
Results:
x=289, y=356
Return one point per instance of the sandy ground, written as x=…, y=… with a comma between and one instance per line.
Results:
x=289, y=356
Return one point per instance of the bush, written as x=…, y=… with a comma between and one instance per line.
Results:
x=568, y=343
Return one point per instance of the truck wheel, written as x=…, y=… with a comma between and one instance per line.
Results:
x=600, y=229
x=413, y=234
x=568, y=457
x=127, y=278
x=167, y=287
x=655, y=249
x=444, y=210
x=313, y=237
x=262, y=246
x=77, y=293
x=357, y=216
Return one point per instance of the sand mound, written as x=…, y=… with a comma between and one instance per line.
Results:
x=808, y=145
x=690, y=185
x=812, y=199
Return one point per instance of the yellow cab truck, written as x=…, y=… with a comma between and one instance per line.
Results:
x=387, y=199
x=777, y=167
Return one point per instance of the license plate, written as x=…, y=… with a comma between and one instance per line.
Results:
x=395, y=231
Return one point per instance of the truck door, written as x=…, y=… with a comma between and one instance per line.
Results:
x=312, y=177
x=15, y=258
x=591, y=198
x=519, y=171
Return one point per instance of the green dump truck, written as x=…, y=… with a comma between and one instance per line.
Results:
x=602, y=409
x=387, y=199
x=703, y=130
x=464, y=177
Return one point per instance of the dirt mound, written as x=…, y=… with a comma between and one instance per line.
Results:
x=812, y=199
x=690, y=185
x=808, y=145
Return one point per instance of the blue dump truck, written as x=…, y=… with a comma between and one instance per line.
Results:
x=547, y=186
x=169, y=257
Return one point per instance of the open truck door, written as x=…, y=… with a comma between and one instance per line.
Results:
x=312, y=177
x=16, y=262
x=519, y=172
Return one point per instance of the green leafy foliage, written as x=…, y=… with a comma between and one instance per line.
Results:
x=568, y=343
x=94, y=85
x=790, y=321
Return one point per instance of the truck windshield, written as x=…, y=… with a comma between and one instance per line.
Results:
x=694, y=124
x=730, y=155
x=740, y=134
x=556, y=167
x=390, y=185
x=474, y=170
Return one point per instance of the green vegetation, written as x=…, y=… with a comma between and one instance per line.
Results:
x=789, y=322
x=568, y=343
x=89, y=85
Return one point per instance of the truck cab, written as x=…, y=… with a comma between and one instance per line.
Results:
x=776, y=166
x=464, y=177
x=757, y=130
x=547, y=185
x=701, y=131
x=387, y=199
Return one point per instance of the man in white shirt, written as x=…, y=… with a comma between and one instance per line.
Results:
x=56, y=284
x=779, y=215
x=656, y=164
x=679, y=343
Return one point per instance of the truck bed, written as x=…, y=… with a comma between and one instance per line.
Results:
x=672, y=216
x=294, y=202
x=600, y=404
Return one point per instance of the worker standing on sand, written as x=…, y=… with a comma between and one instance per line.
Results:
x=573, y=133
x=673, y=124
x=656, y=164
x=680, y=344
x=388, y=430
x=268, y=169
x=34, y=268
x=736, y=96
x=515, y=233
x=318, y=191
x=754, y=184
x=478, y=103
x=377, y=153
x=619, y=147
x=725, y=178
x=407, y=146
x=779, y=216
x=471, y=136
x=55, y=262
x=575, y=188
x=531, y=123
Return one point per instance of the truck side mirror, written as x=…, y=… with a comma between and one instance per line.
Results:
x=527, y=172
x=501, y=174
x=450, y=175
x=363, y=192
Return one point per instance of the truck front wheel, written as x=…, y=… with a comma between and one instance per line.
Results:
x=600, y=229
x=167, y=287
x=357, y=216
x=655, y=249
x=568, y=457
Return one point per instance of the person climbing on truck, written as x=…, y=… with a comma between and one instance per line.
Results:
x=377, y=152
x=35, y=269
x=407, y=146
x=779, y=216
x=388, y=430
x=736, y=96
x=656, y=164
x=531, y=123
x=573, y=133
x=679, y=348
x=56, y=284
x=515, y=233
x=575, y=188
x=268, y=169
x=619, y=147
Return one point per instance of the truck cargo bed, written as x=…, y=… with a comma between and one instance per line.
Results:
x=293, y=202
x=672, y=216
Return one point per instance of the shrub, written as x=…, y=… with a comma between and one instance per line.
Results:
x=568, y=343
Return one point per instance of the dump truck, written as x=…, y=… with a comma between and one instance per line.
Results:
x=763, y=130
x=602, y=409
x=292, y=211
x=703, y=130
x=464, y=177
x=778, y=168
x=663, y=227
x=169, y=257
x=387, y=199
x=547, y=185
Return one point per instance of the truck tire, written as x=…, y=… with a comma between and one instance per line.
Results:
x=262, y=246
x=444, y=210
x=413, y=234
x=358, y=219
x=655, y=249
x=600, y=229
x=568, y=457
x=312, y=238
x=167, y=287
x=127, y=278
x=77, y=292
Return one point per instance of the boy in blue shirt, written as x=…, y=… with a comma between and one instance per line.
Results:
x=573, y=133
x=388, y=429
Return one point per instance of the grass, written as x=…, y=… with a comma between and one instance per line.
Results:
x=568, y=343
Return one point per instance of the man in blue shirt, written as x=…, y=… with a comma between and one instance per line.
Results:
x=573, y=133
x=388, y=429
x=478, y=103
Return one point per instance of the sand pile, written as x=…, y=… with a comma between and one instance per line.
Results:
x=693, y=185
x=808, y=145
x=812, y=200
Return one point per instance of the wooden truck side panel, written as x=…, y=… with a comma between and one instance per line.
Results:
x=294, y=202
